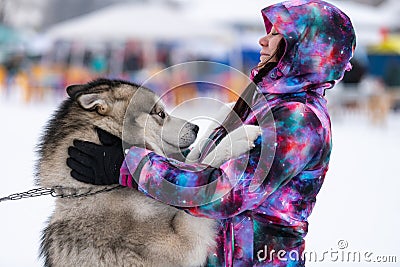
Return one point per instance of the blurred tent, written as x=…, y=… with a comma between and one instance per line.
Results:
x=10, y=41
x=368, y=21
x=205, y=27
x=39, y=44
x=14, y=41
x=230, y=12
x=151, y=22
x=244, y=18
x=9, y=36
x=147, y=23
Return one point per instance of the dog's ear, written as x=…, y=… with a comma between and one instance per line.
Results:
x=74, y=90
x=94, y=101
x=90, y=97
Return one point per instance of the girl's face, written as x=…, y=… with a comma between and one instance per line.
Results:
x=269, y=44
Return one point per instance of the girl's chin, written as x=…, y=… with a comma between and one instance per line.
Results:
x=261, y=64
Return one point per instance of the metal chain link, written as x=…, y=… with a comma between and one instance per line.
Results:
x=59, y=192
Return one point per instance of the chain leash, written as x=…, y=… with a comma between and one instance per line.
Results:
x=59, y=192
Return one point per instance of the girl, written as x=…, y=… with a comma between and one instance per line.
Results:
x=307, y=50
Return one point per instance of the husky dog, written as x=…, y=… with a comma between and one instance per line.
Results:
x=137, y=230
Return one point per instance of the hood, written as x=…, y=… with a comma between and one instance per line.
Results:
x=320, y=41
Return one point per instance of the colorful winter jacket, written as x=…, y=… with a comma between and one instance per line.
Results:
x=320, y=41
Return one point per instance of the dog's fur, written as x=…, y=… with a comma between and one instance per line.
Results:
x=121, y=227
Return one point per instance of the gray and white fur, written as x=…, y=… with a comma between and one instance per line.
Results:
x=121, y=227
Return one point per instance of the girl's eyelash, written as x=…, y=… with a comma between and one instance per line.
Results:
x=275, y=33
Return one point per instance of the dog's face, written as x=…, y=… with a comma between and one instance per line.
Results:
x=107, y=104
x=135, y=114
x=148, y=124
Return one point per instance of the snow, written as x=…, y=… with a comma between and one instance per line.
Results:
x=358, y=202
x=21, y=221
x=359, y=199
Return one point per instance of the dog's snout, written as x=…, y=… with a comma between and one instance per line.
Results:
x=196, y=128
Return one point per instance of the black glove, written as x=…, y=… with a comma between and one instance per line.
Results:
x=96, y=164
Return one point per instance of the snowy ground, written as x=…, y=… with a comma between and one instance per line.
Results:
x=359, y=202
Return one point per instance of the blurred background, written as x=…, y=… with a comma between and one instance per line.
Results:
x=46, y=45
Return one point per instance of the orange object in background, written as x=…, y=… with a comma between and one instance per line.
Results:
x=3, y=76
x=22, y=82
x=184, y=92
x=77, y=75
x=236, y=85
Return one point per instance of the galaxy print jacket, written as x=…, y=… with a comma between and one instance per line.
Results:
x=320, y=41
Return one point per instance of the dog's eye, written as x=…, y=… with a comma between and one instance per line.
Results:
x=161, y=114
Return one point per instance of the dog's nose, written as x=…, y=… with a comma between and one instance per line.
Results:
x=196, y=129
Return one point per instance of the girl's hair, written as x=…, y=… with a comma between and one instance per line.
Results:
x=242, y=109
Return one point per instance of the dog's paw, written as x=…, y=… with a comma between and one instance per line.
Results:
x=236, y=143
x=245, y=133
x=242, y=139
x=253, y=132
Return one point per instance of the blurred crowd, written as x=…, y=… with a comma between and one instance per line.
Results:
x=372, y=87
x=40, y=77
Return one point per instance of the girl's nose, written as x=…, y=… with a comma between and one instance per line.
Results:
x=263, y=41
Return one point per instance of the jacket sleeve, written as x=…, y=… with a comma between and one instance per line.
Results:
x=224, y=192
